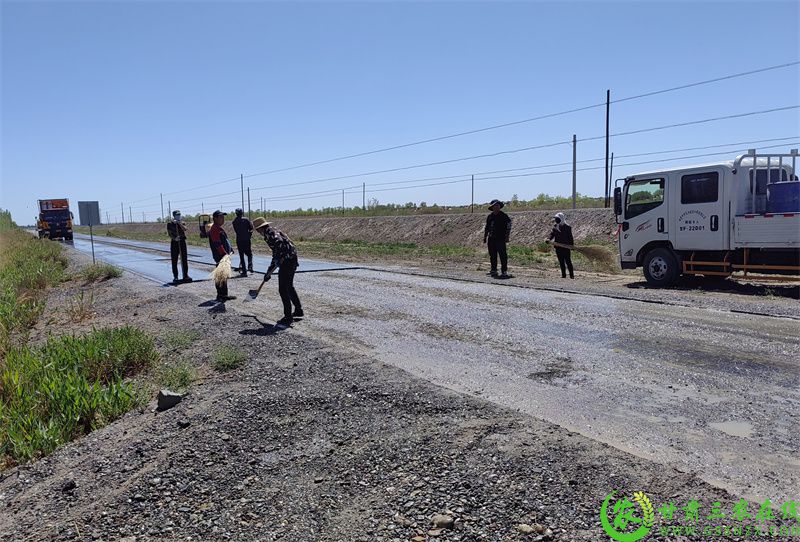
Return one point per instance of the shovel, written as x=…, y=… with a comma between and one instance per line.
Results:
x=252, y=294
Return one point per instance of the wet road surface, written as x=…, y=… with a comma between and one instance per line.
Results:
x=711, y=392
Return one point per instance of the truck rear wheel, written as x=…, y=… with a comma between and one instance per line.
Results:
x=660, y=267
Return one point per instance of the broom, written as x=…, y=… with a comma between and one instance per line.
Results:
x=601, y=256
x=222, y=272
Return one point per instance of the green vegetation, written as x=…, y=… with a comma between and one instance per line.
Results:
x=99, y=272
x=398, y=250
x=178, y=340
x=227, y=358
x=525, y=256
x=176, y=376
x=28, y=266
x=68, y=387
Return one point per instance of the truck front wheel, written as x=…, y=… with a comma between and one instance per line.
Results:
x=660, y=267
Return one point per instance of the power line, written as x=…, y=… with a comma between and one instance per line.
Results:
x=694, y=122
x=523, y=121
x=336, y=190
x=535, y=147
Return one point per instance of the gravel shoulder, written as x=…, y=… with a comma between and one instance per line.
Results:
x=307, y=441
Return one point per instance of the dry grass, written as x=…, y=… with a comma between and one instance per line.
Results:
x=602, y=258
x=81, y=307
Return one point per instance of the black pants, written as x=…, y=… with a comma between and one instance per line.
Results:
x=245, y=249
x=222, y=288
x=286, y=288
x=177, y=248
x=565, y=261
x=498, y=248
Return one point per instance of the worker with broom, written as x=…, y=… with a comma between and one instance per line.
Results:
x=220, y=248
x=176, y=230
x=284, y=257
x=561, y=234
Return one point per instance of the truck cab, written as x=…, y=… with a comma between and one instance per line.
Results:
x=711, y=219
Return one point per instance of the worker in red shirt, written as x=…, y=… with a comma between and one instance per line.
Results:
x=220, y=247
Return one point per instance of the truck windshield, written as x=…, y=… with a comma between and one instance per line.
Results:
x=643, y=196
x=56, y=215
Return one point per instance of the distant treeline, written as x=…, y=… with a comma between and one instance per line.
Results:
x=542, y=202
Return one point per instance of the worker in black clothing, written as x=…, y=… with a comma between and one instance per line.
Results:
x=284, y=258
x=177, y=247
x=496, y=235
x=562, y=235
x=244, y=232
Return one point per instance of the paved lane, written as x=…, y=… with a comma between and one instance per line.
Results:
x=712, y=392
x=128, y=254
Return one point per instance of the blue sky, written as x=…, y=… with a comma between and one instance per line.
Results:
x=121, y=101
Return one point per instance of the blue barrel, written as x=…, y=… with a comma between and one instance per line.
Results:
x=783, y=197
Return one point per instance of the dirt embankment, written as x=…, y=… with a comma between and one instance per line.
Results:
x=529, y=228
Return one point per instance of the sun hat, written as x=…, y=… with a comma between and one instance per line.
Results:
x=260, y=222
x=496, y=202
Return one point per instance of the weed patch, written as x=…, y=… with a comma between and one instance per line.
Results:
x=176, y=376
x=227, y=358
x=99, y=272
x=28, y=266
x=68, y=387
x=178, y=340
x=81, y=307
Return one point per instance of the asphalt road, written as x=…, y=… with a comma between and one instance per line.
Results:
x=712, y=392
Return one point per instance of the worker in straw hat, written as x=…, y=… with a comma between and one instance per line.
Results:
x=561, y=234
x=496, y=234
x=284, y=257
x=220, y=247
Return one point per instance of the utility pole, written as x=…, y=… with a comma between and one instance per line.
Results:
x=574, y=170
x=130, y=214
x=122, y=212
x=241, y=180
x=472, y=199
x=202, y=208
x=108, y=220
x=342, y=200
x=162, y=207
x=169, y=208
x=364, y=196
x=608, y=113
x=249, y=211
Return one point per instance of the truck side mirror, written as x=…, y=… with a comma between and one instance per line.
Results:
x=618, y=201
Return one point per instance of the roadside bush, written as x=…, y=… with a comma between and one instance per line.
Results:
x=28, y=266
x=177, y=376
x=227, y=358
x=99, y=272
x=68, y=387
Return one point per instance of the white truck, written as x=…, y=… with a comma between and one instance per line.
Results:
x=712, y=219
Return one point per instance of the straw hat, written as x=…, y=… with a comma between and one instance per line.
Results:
x=260, y=222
